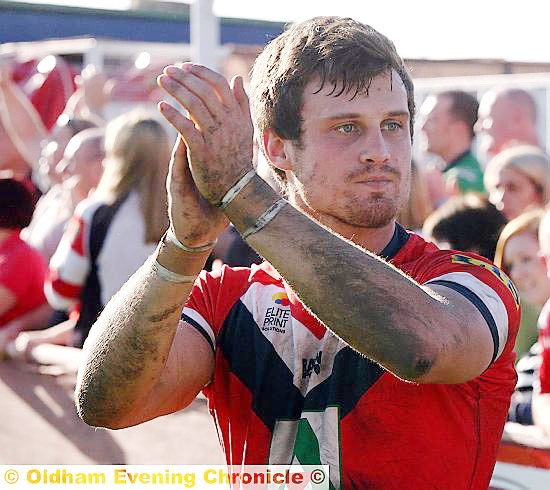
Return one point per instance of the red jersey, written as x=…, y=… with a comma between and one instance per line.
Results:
x=544, y=341
x=22, y=272
x=286, y=390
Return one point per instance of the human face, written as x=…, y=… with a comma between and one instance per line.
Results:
x=526, y=268
x=352, y=166
x=494, y=123
x=436, y=121
x=84, y=160
x=52, y=153
x=512, y=192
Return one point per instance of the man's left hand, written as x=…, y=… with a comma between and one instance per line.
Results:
x=218, y=130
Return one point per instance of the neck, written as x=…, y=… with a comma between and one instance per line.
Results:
x=455, y=151
x=372, y=239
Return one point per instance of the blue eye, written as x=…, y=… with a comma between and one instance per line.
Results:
x=347, y=128
x=392, y=126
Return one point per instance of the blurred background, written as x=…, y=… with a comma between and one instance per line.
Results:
x=470, y=45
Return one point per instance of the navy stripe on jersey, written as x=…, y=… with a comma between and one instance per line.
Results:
x=398, y=240
x=352, y=375
x=255, y=362
x=198, y=327
x=479, y=304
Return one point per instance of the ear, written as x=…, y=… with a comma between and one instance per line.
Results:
x=543, y=260
x=277, y=150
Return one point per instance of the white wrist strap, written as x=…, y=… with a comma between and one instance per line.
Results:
x=236, y=188
x=264, y=218
x=169, y=275
x=172, y=238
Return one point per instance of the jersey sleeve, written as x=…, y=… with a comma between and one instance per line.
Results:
x=485, y=286
x=207, y=307
x=70, y=264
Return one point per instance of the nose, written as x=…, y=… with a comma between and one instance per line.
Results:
x=478, y=127
x=375, y=148
x=496, y=197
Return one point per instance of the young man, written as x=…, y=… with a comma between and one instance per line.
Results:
x=448, y=120
x=329, y=353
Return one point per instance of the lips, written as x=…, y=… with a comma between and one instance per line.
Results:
x=376, y=180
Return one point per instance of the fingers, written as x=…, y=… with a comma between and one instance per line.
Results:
x=179, y=166
x=206, y=99
x=186, y=127
x=212, y=78
x=198, y=111
x=205, y=94
x=237, y=85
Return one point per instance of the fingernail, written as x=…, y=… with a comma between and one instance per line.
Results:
x=171, y=70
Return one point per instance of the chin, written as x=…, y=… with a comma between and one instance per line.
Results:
x=373, y=215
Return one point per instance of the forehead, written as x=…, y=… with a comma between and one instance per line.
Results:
x=512, y=174
x=385, y=93
x=435, y=104
x=522, y=241
x=492, y=102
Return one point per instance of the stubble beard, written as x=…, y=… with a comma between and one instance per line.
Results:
x=377, y=212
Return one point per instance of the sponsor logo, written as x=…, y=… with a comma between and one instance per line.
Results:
x=281, y=299
x=309, y=366
x=501, y=276
x=276, y=319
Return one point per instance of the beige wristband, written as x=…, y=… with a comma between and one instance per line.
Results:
x=172, y=238
x=264, y=218
x=236, y=188
x=169, y=275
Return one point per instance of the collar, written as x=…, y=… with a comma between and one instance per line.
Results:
x=398, y=240
x=454, y=162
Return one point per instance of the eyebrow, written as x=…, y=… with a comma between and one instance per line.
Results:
x=357, y=115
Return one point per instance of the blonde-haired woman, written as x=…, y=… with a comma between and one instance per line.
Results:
x=111, y=233
x=517, y=254
x=518, y=179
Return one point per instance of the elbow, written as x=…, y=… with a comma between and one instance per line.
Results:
x=409, y=357
x=92, y=415
x=96, y=417
x=96, y=411
x=415, y=368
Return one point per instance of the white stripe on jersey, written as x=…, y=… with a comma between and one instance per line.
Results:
x=489, y=297
x=73, y=269
x=294, y=337
x=197, y=317
x=57, y=301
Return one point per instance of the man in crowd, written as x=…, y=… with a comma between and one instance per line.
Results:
x=507, y=117
x=358, y=345
x=448, y=120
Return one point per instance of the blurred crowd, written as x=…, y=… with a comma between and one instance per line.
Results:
x=83, y=204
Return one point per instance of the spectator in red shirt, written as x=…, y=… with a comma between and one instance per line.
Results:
x=22, y=269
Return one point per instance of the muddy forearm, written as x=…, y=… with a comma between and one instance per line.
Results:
x=361, y=298
x=127, y=349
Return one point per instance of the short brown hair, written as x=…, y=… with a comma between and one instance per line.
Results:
x=342, y=52
x=464, y=107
